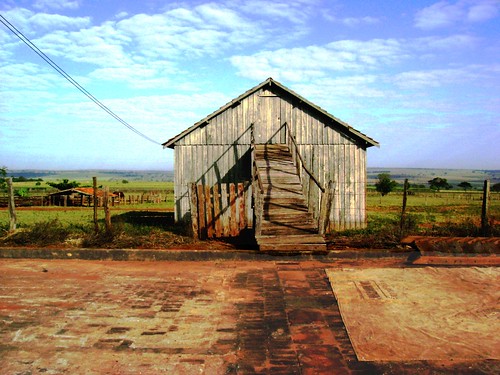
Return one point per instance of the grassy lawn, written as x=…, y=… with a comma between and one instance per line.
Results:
x=151, y=224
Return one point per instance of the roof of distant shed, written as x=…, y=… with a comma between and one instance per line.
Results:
x=82, y=190
x=271, y=82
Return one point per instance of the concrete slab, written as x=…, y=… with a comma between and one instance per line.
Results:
x=420, y=313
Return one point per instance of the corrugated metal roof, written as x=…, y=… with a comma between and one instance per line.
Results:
x=82, y=190
x=347, y=128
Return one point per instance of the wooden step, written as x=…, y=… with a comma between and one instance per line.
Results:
x=293, y=243
x=287, y=225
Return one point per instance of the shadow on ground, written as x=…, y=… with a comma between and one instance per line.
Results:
x=163, y=220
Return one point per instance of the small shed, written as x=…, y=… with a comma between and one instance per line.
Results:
x=80, y=196
x=221, y=151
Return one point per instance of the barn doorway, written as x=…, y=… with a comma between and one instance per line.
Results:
x=268, y=126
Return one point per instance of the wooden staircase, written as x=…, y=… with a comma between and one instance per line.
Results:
x=286, y=223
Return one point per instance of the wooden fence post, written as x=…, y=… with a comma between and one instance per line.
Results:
x=241, y=206
x=94, y=191
x=107, y=214
x=12, y=206
x=232, y=219
x=217, y=212
x=201, y=212
x=194, y=211
x=210, y=218
x=325, y=208
x=485, y=225
x=225, y=214
x=403, y=210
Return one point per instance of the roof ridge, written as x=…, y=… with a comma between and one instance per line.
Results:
x=349, y=129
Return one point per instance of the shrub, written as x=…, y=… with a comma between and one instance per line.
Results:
x=22, y=192
x=42, y=234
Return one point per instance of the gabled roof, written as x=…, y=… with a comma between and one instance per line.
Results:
x=88, y=191
x=271, y=82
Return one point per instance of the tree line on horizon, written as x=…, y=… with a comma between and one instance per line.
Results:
x=385, y=184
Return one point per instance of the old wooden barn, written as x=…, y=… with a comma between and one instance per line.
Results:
x=273, y=162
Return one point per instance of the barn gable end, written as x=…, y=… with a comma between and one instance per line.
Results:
x=217, y=149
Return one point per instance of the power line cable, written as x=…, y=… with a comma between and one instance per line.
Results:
x=70, y=79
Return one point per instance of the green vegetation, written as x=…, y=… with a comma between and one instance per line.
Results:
x=385, y=185
x=465, y=185
x=439, y=183
x=65, y=184
x=41, y=233
x=429, y=212
x=446, y=213
x=3, y=174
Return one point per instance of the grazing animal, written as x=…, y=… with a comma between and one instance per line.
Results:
x=120, y=195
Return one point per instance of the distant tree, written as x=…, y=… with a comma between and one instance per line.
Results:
x=3, y=174
x=438, y=183
x=23, y=192
x=495, y=187
x=417, y=186
x=465, y=185
x=64, y=185
x=124, y=182
x=385, y=185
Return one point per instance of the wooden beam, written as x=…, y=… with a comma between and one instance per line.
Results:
x=12, y=206
x=201, y=212
x=194, y=211
x=217, y=213
x=232, y=220
x=210, y=218
x=241, y=206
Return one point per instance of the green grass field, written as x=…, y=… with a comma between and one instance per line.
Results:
x=432, y=213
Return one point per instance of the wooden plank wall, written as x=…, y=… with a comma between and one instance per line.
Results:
x=219, y=211
x=207, y=155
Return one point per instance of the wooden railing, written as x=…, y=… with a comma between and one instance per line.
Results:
x=255, y=172
x=257, y=188
x=326, y=194
x=297, y=157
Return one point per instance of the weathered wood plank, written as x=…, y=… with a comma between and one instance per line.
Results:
x=209, y=212
x=233, y=219
x=194, y=211
x=201, y=212
x=241, y=206
x=217, y=217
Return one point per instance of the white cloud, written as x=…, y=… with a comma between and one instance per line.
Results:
x=28, y=76
x=139, y=76
x=479, y=75
x=31, y=23
x=452, y=42
x=85, y=46
x=440, y=14
x=352, y=21
x=56, y=4
x=144, y=48
x=429, y=78
x=296, y=11
x=49, y=22
x=298, y=64
x=445, y=14
x=483, y=11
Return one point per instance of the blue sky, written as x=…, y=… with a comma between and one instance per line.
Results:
x=420, y=77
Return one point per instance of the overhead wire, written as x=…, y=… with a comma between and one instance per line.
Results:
x=70, y=79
